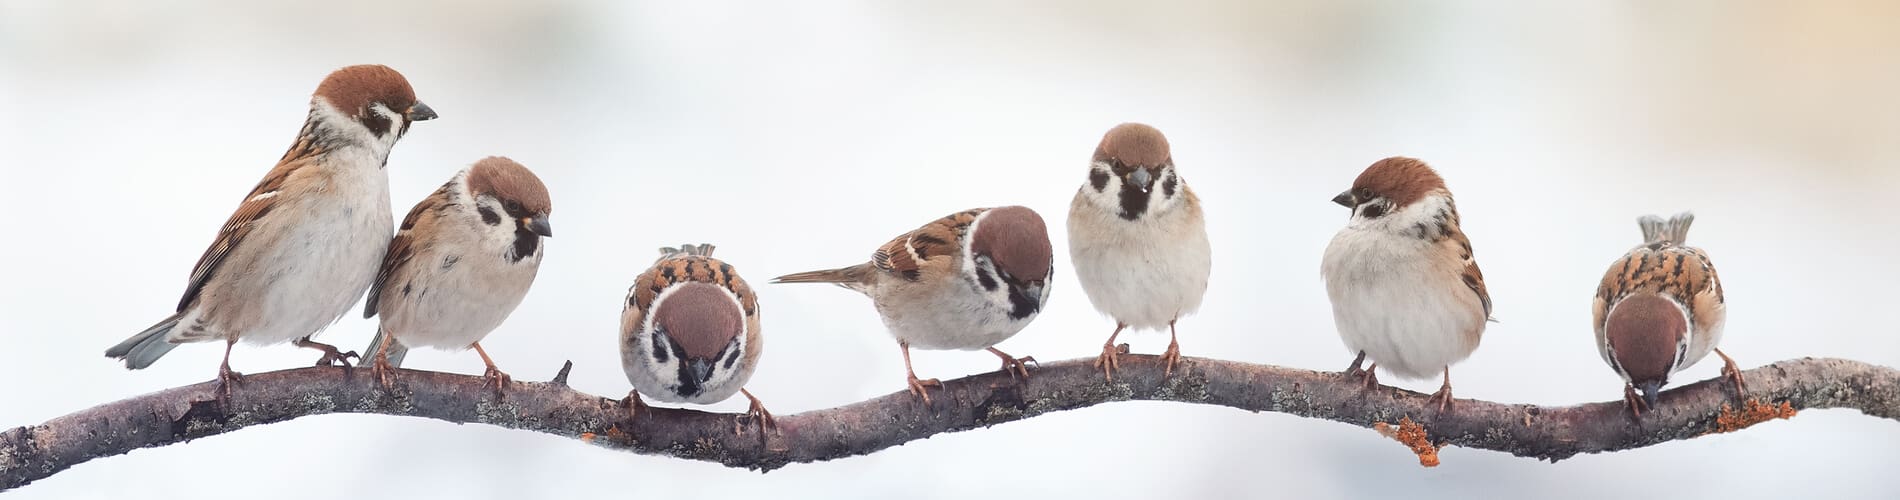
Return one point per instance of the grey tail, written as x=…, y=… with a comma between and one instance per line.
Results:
x=702, y=250
x=147, y=346
x=396, y=349
x=849, y=277
x=1658, y=232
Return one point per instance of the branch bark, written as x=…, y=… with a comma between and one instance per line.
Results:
x=1552, y=433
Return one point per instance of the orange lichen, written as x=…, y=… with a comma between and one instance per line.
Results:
x=1753, y=412
x=1412, y=435
x=613, y=435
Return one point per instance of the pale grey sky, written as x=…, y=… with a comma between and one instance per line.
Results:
x=799, y=136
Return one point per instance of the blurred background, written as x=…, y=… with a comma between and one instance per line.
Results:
x=801, y=135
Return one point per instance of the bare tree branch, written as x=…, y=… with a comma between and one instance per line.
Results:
x=185, y=413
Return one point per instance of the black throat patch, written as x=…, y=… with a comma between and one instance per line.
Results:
x=1021, y=305
x=1134, y=201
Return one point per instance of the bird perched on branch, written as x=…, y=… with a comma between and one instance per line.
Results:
x=1406, y=292
x=690, y=332
x=1138, y=239
x=305, y=242
x=462, y=260
x=966, y=281
x=1659, y=310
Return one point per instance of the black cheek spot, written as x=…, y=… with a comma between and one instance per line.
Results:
x=983, y=277
x=1098, y=179
x=376, y=123
x=732, y=358
x=659, y=352
x=1374, y=211
x=1420, y=228
x=489, y=216
x=1167, y=186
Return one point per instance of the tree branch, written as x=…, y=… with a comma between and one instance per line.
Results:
x=1553, y=433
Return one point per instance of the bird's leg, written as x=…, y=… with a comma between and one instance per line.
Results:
x=1443, y=396
x=1733, y=373
x=227, y=379
x=1107, y=361
x=1014, y=365
x=331, y=356
x=917, y=386
x=380, y=366
x=1172, y=355
x=1367, y=376
x=492, y=375
x=758, y=413
x=634, y=404
x=1636, y=403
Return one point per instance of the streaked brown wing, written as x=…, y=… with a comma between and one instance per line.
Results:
x=907, y=255
x=265, y=197
x=404, y=247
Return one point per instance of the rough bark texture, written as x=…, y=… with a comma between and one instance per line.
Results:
x=1553, y=433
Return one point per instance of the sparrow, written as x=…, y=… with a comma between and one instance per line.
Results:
x=690, y=332
x=1659, y=310
x=304, y=243
x=1138, y=239
x=1406, y=292
x=462, y=260
x=966, y=281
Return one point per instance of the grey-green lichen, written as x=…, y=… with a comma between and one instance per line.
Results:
x=502, y=413
x=1184, y=388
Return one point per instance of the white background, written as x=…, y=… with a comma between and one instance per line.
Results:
x=800, y=135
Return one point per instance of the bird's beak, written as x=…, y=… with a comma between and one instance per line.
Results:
x=1344, y=199
x=701, y=369
x=1650, y=390
x=539, y=225
x=1035, y=290
x=420, y=112
x=1140, y=178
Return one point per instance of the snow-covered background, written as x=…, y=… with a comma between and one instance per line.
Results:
x=799, y=135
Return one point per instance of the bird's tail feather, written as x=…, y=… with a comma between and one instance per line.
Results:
x=854, y=277
x=396, y=350
x=702, y=250
x=147, y=346
x=1674, y=231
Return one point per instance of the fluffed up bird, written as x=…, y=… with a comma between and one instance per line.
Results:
x=966, y=281
x=1406, y=292
x=690, y=332
x=305, y=242
x=1659, y=310
x=1138, y=239
x=462, y=260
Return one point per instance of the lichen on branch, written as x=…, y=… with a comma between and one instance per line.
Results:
x=1552, y=433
